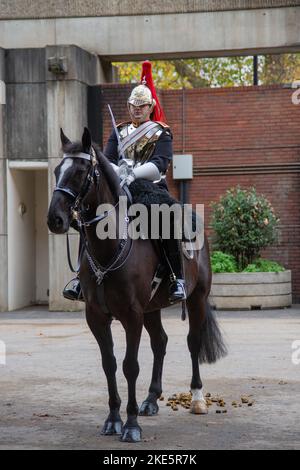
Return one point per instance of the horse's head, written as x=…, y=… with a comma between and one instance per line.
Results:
x=73, y=176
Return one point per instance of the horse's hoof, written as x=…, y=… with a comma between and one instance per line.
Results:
x=148, y=408
x=112, y=427
x=199, y=407
x=131, y=434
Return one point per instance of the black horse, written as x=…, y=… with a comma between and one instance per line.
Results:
x=85, y=179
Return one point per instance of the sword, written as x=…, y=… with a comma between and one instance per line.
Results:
x=116, y=131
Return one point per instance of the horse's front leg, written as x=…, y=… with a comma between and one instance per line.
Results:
x=131, y=430
x=100, y=325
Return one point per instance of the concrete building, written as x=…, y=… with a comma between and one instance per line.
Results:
x=37, y=104
x=52, y=54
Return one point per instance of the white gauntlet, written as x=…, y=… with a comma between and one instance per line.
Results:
x=148, y=171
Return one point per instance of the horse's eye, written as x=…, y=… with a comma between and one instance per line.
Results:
x=83, y=169
x=82, y=165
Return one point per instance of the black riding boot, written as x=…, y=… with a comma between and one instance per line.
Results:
x=72, y=290
x=177, y=284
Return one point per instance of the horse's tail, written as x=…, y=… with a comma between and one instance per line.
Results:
x=212, y=344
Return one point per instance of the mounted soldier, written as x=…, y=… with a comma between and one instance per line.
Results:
x=141, y=149
x=117, y=274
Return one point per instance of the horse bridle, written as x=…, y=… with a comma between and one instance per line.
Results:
x=93, y=174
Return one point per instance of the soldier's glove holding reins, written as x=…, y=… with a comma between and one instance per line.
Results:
x=128, y=179
x=125, y=172
x=147, y=171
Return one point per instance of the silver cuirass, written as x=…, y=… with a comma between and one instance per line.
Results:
x=140, y=148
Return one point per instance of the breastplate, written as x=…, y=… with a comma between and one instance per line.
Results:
x=141, y=150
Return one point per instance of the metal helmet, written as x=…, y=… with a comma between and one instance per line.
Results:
x=141, y=95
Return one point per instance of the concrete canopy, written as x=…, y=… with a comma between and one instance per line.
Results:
x=130, y=30
x=21, y=9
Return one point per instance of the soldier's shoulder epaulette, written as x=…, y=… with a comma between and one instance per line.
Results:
x=163, y=124
x=124, y=123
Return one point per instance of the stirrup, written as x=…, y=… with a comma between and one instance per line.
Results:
x=72, y=291
x=177, y=290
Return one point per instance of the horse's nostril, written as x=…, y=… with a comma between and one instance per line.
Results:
x=58, y=222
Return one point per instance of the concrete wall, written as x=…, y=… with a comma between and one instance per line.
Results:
x=3, y=211
x=26, y=104
x=13, y=9
x=21, y=239
x=39, y=102
x=41, y=238
x=26, y=84
x=28, y=263
x=67, y=109
x=154, y=36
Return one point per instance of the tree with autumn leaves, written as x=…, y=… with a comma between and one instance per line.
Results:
x=215, y=72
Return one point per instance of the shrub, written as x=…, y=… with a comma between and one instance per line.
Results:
x=223, y=263
x=264, y=266
x=244, y=223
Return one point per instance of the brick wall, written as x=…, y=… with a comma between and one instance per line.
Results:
x=248, y=136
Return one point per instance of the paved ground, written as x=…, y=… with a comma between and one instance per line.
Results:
x=53, y=392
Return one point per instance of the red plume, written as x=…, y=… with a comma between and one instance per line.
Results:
x=146, y=78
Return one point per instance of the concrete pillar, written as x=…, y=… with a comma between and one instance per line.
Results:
x=67, y=109
x=3, y=211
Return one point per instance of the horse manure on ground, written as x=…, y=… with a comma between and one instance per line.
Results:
x=185, y=399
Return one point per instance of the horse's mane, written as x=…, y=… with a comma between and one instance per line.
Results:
x=104, y=164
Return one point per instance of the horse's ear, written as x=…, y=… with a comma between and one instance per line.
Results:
x=64, y=139
x=86, y=140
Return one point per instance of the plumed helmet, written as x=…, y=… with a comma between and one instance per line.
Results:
x=146, y=93
x=140, y=95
